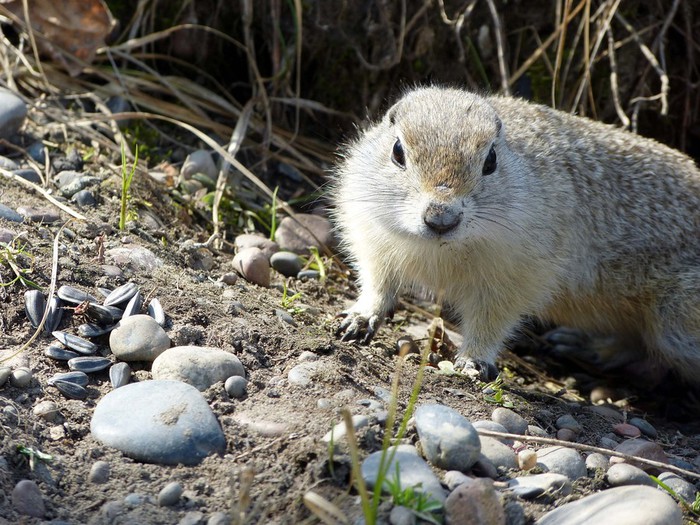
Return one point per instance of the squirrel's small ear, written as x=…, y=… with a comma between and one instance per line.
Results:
x=499, y=126
x=391, y=114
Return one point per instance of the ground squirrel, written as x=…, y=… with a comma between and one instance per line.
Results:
x=512, y=209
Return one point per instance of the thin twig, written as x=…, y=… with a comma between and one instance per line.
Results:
x=500, y=47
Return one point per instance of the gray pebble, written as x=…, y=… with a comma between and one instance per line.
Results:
x=400, y=515
x=487, y=424
x=219, y=518
x=448, y=439
x=680, y=486
x=170, y=494
x=71, y=190
x=609, y=443
x=138, y=338
x=597, y=461
x=561, y=460
x=249, y=240
x=13, y=111
x=84, y=198
x=253, y=265
x=515, y=423
x=192, y=518
x=236, y=386
x=413, y=471
x=9, y=214
x=643, y=425
x=529, y=487
x=21, y=377
x=568, y=422
x=304, y=373
x=340, y=430
x=27, y=499
x=621, y=474
x=37, y=152
x=632, y=504
x=99, y=473
x=474, y=503
x=305, y=230
x=136, y=499
x=165, y=422
x=287, y=263
x=497, y=453
x=454, y=478
x=8, y=164
x=5, y=373
x=6, y=235
x=284, y=316
x=199, y=161
x=46, y=410
x=138, y=258
x=66, y=178
x=199, y=366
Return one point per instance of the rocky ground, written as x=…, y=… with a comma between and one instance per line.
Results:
x=227, y=407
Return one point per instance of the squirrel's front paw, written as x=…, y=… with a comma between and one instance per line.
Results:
x=477, y=369
x=358, y=327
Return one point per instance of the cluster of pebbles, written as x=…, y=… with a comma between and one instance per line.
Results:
x=78, y=351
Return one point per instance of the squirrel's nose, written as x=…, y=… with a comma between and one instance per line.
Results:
x=441, y=218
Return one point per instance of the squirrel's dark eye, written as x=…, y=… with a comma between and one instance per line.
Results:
x=490, y=163
x=397, y=155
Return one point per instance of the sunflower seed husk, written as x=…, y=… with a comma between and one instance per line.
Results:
x=155, y=310
x=34, y=305
x=75, y=296
x=77, y=377
x=93, y=330
x=89, y=364
x=71, y=390
x=59, y=353
x=80, y=345
x=104, y=314
x=104, y=292
x=119, y=374
x=134, y=305
x=121, y=294
x=55, y=315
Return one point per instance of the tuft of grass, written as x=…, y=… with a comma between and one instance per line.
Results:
x=288, y=300
x=34, y=455
x=127, y=178
x=317, y=264
x=495, y=394
x=15, y=256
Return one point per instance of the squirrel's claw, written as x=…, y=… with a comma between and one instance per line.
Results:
x=356, y=327
x=477, y=369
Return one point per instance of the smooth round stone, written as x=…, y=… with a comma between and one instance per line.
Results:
x=632, y=504
x=138, y=258
x=236, y=386
x=199, y=161
x=566, y=434
x=6, y=235
x=119, y=374
x=680, y=486
x=641, y=448
x=561, y=460
x=165, y=422
x=568, y=422
x=528, y=487
x=5, y=373
x=597, y=461
x=8, y=164
x=9, y=214
x=497, y=453
x=28, y=500
x=340, y=430
x=514, y=423
x=72, y=189
x=626, y=430
x=448, y=439
x=249, y=240
x=46, y=410
x=37, y=152
x=401, y=515
x=305, y=230
x=13, y=111
x=252, y=264
x=621, y=474
x=138, y=338
x=487, y=424
x=413, y=471
x=287, y=263
x=170, y=494
x=199, y=366
x=99, y=472
x=66, y=178
x=304, y=373
x=454, y=478
x=646, y=427
x=219, y=518
x=84, y=198
x=21, y=377
x=474, y=503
